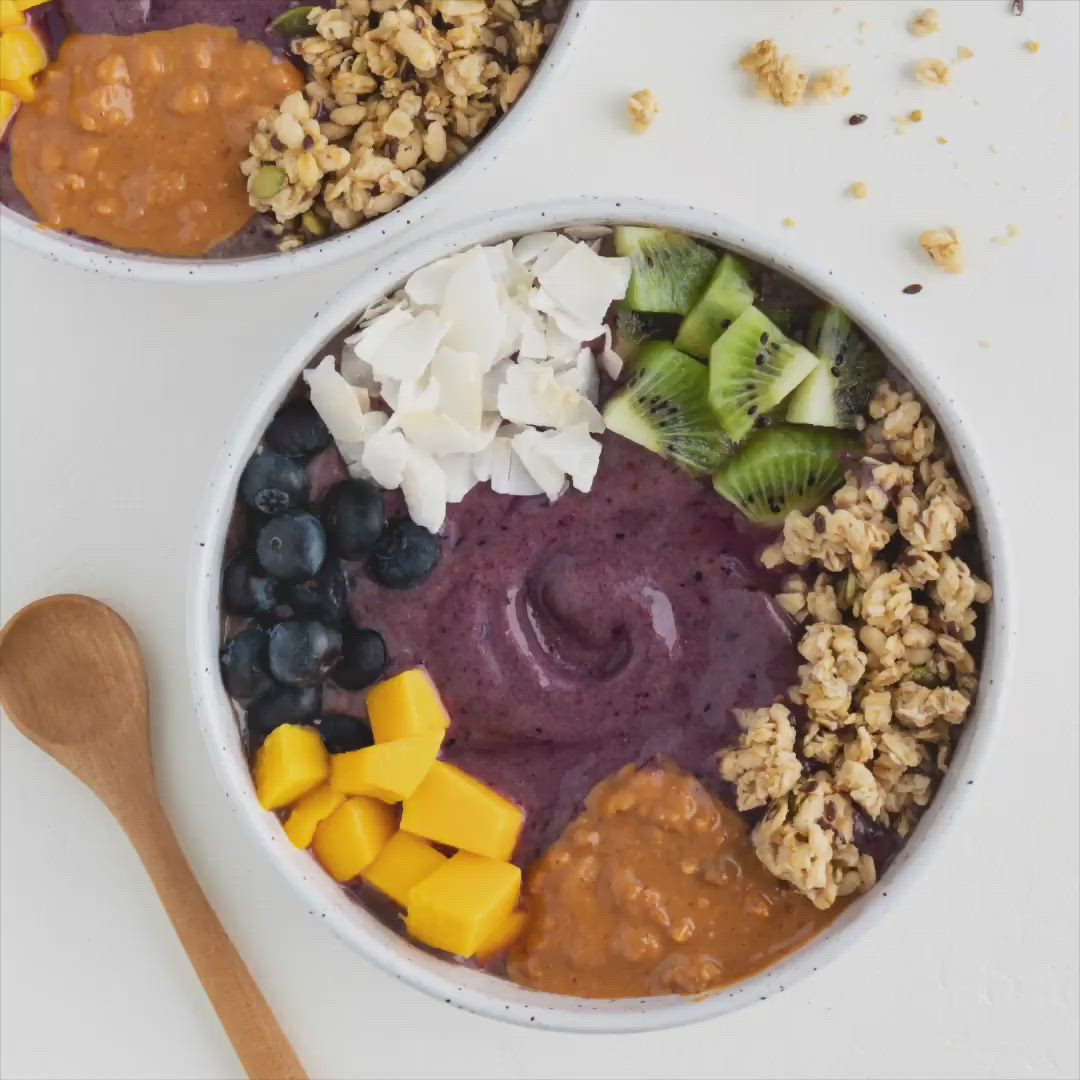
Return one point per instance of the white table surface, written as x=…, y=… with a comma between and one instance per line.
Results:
x=116, y=397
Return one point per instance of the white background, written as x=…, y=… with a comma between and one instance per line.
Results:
x=116, y=397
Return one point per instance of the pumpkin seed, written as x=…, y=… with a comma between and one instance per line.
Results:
x=267, y=182
x=294, y=22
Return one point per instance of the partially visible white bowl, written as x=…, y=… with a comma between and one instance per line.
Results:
x=91, y=255
x=456, y=983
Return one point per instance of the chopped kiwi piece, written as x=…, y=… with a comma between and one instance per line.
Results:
x=784, y=468
x=669, y=270
x=838, y=390
x=664, y=407
x=753, y=366
x=634, y=328
x=727, y=297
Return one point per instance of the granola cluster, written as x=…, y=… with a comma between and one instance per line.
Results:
x=778, y=76
x=888, y=675
x=398, y=90
x=944, y=248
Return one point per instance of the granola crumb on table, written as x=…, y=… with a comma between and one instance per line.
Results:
x=933, y=72
x=777, y=75
x=926, y=22
x=945, y=248
x=642, y=107
x=398, y=90
x=888, y=676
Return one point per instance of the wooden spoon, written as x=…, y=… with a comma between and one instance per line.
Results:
x=72, y=681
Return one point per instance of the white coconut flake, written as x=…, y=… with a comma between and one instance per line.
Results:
x=529, y=248
x=582, y=376
x=493, y=379
x=575, y=452
x=378, y=330
x=384, y=456
x=335, y=401
x=461, y=378
x=470, y=308
x=559, y=247
x=533, y=342
x=587, y=232
x=407, y=351
x=506, y=472
x=529, y=448
x=427, y=286
x=460, y=475
x=610, y=360
x=585, y=284
x=569, y=325
x=423, y=484
x=530, y=395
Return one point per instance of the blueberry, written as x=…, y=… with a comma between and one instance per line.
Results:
x=323, y=596
x=245, y=588
x=291, y=546
x=352, y=514
x=404, y=555
x=343, y=733
x=245, y=663
x=282, y=705
x=363, y=659
x=297, y=431
x=302, y=651
x=272, y=483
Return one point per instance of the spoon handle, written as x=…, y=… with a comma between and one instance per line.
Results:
x=257, y=1038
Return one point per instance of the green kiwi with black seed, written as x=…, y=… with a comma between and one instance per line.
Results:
x=839, y=389
x=753, y=366
x=633, y=328
x=664, y=407
x=669, y=270
x=728, y=295
x=784, y=468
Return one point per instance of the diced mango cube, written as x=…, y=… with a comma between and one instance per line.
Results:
x=404, y=862
x=453, y=808
x=408, y=704
x=503, y=936
x=9, y=105
x=390, y=771
x=350, y=839
x=10, y=15
x=289, y=764
x=463, y=903
x=308, y=812
x=21, y=53
x=22, y=88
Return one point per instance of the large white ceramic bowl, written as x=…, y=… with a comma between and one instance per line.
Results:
x=924, y=857
x=498, y=142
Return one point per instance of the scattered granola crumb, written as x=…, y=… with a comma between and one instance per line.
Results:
x=857, y=118
x=945, y=248
x=927, y=23
x=942, y=140
x=993, y=148
x=777, y=76
x=1032, y=46
x=933, y=72
x=789, y=223
x=964, y=53
x=915, y=116
x=831, y=82
x=1013, y=230
x=984, y=343
x=859, y=190
x=642, y=107
x=911, y=290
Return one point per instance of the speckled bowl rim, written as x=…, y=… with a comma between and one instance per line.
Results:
x=501, y=140
x=457, y=984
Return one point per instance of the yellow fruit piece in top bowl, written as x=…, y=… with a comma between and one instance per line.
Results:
x=453, y=808
x=503, y=936
x=23, y=88
x=404, y=862
x=22, y=53
x=10, y=15
x=389, y=771
x=408, y=704
x=291, y=761
x=350, y=839
x=9, y=106
x=308, y=812
x=26, y=5
x=460, y=905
